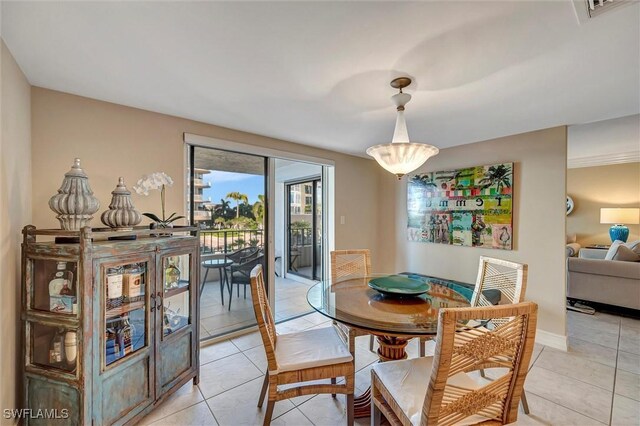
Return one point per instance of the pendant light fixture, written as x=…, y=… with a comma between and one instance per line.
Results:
x=401, y=156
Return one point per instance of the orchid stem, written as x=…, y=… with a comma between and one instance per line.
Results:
x=162, y=200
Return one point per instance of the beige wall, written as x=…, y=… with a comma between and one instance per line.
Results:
x=114, y=140
x=15, y=212
x=604, y=186
x=538, y=218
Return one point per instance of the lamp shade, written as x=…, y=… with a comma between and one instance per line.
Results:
x=620, y=216
x=401, y=158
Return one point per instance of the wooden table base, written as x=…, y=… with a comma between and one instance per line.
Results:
x=391, y=349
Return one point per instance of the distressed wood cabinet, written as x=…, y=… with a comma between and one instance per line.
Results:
x=109, y=325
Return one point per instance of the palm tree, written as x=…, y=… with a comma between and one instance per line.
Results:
x=220, y=222
x=238, y=197
x=497, y=175
x=258, y=210
x=222, y=208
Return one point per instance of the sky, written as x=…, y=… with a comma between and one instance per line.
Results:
x=223, y=183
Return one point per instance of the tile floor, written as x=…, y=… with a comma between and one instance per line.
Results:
x=217, y=319
x=596, y=382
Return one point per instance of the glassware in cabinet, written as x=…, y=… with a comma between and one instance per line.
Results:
x=176, y=293
x=125, y=322
x=53, y=347
x=54, y=286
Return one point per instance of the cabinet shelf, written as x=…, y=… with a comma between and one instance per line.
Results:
x=183, y=286
x=123, y=309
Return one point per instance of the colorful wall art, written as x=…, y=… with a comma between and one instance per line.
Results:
x=465, y=207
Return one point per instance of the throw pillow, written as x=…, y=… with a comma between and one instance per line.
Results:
x=634, y=246
x=613, y=249
x=624, y=254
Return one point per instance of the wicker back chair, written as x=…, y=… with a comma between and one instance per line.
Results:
x=347, y=264
x=449, y=394
x=300, y=357
x=509, y=278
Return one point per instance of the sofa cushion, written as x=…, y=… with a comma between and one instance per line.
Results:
x=634, y=246
x=619, y=251
x=611, y=268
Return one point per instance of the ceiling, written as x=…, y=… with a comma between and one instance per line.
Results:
x=318, y=73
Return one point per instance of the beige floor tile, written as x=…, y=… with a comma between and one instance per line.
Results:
x=323, y=410
x=629, y=362
x=364, y=357
x=626, y=412
x=217, y=351
x=592, y=351
x=184, y=397
x=196, y=415
x=226, y=373
x=544, y=412
x=247, y=341
x=316, y=318
x=258, y=356
x=630, y=322
x=571, y=365
x=608, y=338
x=627, y=384
x=630, y=339
x=292, y=418
x=238, y=406
x=584, y=398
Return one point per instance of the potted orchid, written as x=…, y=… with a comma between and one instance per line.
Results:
x=157, y=181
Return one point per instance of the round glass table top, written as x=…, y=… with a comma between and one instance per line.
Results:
x=354, y=303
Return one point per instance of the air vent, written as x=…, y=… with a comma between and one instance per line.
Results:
x=598, y=7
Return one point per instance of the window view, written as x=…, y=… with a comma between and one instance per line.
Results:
x=305, y=228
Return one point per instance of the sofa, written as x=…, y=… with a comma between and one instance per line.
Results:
x=592, y=278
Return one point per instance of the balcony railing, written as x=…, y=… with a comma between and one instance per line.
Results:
x=221, y=241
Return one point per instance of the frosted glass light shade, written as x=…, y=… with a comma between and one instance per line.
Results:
x=401, y=158
x=620, y=216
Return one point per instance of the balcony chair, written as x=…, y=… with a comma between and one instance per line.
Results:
x=438, y=389
x=242, y=255
x=345, y=265
x=240, y=273
x=509, y=279
x=300, y=357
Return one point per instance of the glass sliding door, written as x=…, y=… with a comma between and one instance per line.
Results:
x=304, y=225
x=228, y=203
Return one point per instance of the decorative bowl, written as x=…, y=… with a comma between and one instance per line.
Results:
x=399, y=286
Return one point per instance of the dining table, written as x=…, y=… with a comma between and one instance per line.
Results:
x=392, y=319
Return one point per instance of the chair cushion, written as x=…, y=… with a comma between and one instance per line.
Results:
x=407, y=380
x=310, y=348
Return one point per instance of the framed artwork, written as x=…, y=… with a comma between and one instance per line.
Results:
x=465, y=207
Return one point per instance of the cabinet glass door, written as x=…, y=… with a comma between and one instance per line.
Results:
x=125, y=307
x=176, y=289
x=54, y=286
x=53, y=346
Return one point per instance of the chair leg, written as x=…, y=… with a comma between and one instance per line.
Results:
x=422, y=344
x=350, y=410
x=245, y=291
x=221, y=286
x=263, y=392
x=268, y=413
x=482, y=373
x=371, y=342
x=204, y=280
x=524, y=403
x=231, y=295
x=333, y=382
x=376, y=415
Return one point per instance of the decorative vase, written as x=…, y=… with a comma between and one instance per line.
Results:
x=74, y=203
x=122, y=215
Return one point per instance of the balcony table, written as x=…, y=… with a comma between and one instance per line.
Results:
x=393, y=320
x=221, y=265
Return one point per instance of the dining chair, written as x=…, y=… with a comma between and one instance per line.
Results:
x=345, y=265
x=300, y=357
x=239, y=274
x=510, y=279
x=438, y=390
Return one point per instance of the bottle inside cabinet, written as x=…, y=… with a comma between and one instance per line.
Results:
x=54, y=286
x=176, y=290
x=125, y=310
x=53, y=346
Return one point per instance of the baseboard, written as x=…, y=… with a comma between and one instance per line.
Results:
x=552, y=340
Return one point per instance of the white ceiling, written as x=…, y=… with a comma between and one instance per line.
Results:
x=318, y=72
